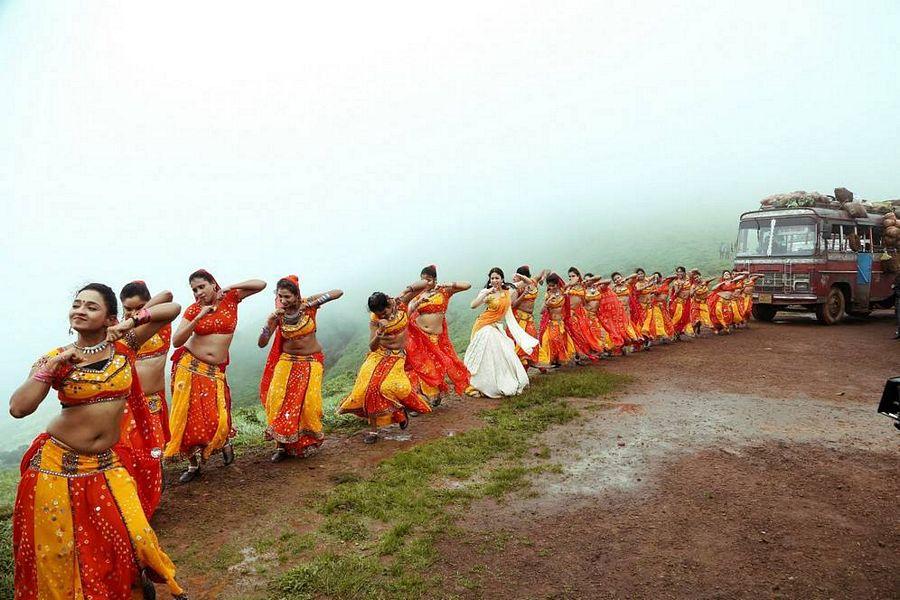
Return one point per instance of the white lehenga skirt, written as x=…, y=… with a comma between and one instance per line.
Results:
x=491, y=358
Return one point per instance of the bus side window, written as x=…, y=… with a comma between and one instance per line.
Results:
x=877, y=241
x=837, y=242
x=865, y=237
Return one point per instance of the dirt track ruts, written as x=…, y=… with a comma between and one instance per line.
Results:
x=742, y=466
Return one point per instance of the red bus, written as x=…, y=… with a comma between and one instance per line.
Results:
x=814, y=259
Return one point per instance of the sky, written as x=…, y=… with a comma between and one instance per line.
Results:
x=352, y=143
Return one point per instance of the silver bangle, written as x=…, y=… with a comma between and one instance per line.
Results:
x=266, y=331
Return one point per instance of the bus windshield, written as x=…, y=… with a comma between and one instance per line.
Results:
x=776, y=236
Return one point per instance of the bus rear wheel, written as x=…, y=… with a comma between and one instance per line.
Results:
x=832, y=311
x=764, y=312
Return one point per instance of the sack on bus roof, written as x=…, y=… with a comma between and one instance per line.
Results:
x=856, y=209
x=882, y=208
x=795, y=199
x=843, y=195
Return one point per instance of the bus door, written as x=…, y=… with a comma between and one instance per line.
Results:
x=863, y=279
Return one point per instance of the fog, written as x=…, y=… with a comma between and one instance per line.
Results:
x=353, y=144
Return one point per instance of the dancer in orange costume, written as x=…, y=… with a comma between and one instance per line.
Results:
x=430, y=354
x=291, y=385
x=200, y=419
x=642, y=294
x=622, y=287
x=611, y=338
x=680, y=305
x=700, y=315
x=613, y=314
x=383, y=392
x=640, y=299
x=556, y=346
x=523, y=310
x=151, y=370
x=586, y=343
x=660, y=320
x=747, y=296
x=79, y=530
x=721, y=307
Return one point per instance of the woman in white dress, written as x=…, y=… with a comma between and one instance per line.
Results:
x=491, y=356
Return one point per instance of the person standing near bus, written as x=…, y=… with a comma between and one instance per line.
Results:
x=896, y=287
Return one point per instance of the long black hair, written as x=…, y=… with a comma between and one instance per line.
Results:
x=499, y=272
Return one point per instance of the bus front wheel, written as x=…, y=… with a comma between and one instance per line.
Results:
x=832, y=311
x=764, y=312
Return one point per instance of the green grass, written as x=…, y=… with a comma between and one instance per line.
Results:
x=395, y=516
x=9, y=478
x=6, y=561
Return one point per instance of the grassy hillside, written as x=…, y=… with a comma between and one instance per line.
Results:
x=344, y=335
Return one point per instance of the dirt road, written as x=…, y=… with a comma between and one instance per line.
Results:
x=751, y=465
x=744, y=467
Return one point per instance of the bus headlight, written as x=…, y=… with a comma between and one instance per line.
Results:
x=801, y=283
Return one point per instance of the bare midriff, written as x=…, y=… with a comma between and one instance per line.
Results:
x=211, y=348
x=89, y=428
x=304, y=345
x=431, y=323
x=152, y=373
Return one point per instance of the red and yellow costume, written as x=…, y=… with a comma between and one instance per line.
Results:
x=747, y=297
x=681, y=307
x=614, y=319
x=150, y=490
x=525, y=320
x=720, y=309
x=556, y=344
x=579, y=325
x=291, y=390
x=79, y=530
x=700, y=314
x=432, y=357
x=658, y=322
x=625, y=298
x=639, y=305
x=383, y=389
x=610, y=339
x=650, y=325
x=737, y=303
x=201, y=400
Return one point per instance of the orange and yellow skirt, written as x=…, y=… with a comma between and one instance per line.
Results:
x=147, y=471
x=294, y=403
x=681, y=316
x=526, y=321
x=737, y=309
x=383, y=390
x=720, y=312
x=657, y=323
x=700, y=314
x=78, y=528
x=201, y=408
x=600, y=333
x=431, y=360
x=556, y=345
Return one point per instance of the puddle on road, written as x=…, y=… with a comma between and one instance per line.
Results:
x=621, y=449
